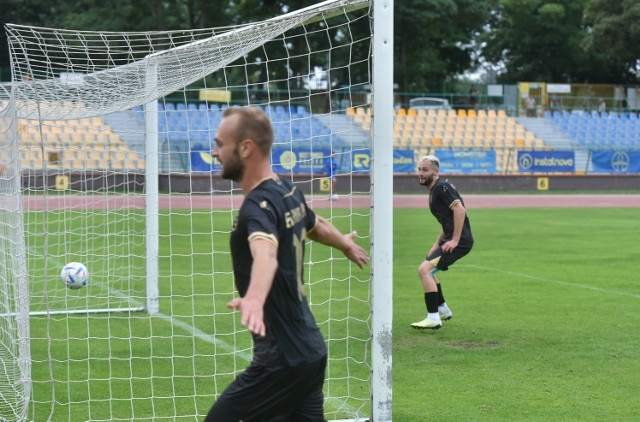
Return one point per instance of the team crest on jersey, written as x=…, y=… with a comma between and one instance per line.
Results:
x=264, y=205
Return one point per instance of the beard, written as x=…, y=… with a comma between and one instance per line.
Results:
x=232, y=168
x=427, y=181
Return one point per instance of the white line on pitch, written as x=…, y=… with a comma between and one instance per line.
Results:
x=548, y=280
x=187, y=327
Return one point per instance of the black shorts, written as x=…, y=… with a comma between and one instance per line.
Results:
x=442, y=260
x=266, y=394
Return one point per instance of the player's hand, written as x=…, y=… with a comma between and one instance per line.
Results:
x=252, y=314
x=355, y=252
x=449, y=246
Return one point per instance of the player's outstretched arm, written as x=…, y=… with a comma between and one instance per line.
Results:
x=251, y=306
x=327, y=234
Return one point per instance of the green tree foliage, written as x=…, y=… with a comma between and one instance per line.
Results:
x=434, y=40
x=614, y=32
x=591, y=41
x=536, y=40
x=543, y=40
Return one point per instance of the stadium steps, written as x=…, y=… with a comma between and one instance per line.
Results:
x=545, y=130
x=555, y=138
x=129, y=125
x=351, y=135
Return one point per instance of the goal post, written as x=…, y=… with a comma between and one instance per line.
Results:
x=15, y=369
x=108, y=141
x=382, y=205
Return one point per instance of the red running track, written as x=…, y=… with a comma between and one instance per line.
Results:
x=321, y=201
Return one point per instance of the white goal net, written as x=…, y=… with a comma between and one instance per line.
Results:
x=105, y=159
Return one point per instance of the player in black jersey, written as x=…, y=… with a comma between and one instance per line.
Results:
x=285, y=378
x=454, y=241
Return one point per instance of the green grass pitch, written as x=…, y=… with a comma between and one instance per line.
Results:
x=546, y=315
x=544, y=327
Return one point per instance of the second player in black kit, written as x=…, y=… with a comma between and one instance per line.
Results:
x=454, y=241
x=442, y=196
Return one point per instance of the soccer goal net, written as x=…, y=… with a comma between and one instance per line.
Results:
x=105, y=160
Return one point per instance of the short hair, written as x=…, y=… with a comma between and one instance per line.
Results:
x=432, y=159
x=252, y=124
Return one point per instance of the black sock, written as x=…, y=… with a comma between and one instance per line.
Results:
x=431, y=300
x=440, y=295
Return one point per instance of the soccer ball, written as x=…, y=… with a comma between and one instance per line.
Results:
x=74, y=275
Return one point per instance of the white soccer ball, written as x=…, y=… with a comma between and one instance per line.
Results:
x=74, y=275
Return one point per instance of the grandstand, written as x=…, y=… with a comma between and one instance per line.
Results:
x=594, y=130
x=74, y=145
x=427, y=131
x=116, y=142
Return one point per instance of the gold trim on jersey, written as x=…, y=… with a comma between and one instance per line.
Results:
x=454, y=203
x=290, y=193
x=273, y=176
x=315, y=223
x=263, y=236
x=435, y=261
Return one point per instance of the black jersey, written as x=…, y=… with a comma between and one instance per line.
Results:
x=442, y=197
x=278, y=211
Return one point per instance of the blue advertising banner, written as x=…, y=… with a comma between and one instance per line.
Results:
x=361, y=160
x=202, y=161
x=467, y=161
x=299, y=161
x=285, y=160
x=546, y=161
x=404, y=161
x=619, y=162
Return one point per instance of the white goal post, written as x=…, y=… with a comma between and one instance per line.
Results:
x=104, y=160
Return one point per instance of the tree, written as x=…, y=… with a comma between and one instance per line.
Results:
x=433, y=40
x=544, y=41
x=614, y=31
x=536, y=40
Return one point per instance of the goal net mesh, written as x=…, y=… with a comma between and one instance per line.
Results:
x=89, y=120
